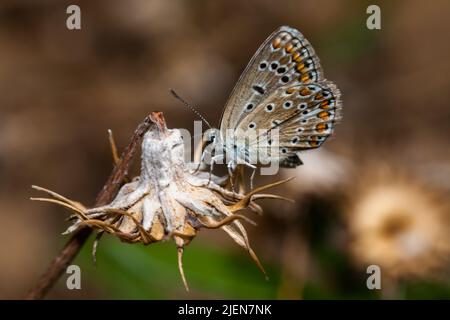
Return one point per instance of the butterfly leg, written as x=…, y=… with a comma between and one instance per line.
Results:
x=202, y=160
x=231, y=166
x=253, y=167
x=211, y=167
x=251, y=178
x=214, y=159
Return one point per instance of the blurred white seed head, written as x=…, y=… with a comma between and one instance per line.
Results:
x=398, y=224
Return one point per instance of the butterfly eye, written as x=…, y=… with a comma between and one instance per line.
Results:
x=270, y=107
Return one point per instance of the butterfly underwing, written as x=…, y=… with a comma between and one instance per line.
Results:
x=283, y=87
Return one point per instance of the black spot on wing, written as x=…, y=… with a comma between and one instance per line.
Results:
x=259, y=89
x=291, y=161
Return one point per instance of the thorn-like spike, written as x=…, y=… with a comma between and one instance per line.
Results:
x=95, y=246
x=225, y=221
x=112, y=143
x=180, y=267
x=272, y=196
x=61, y=203
x=258, y=263
x=245, y=201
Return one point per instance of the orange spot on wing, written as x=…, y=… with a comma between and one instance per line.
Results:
x=300, y=67
x=323, y=115
x=305, y=78
x=285, y=60
x=288, y=47
x=324, y=104
x=305, y=92
x=276, y=43
x=290, y=90
x=321, y=127
x=296, y=57
x=318, y=96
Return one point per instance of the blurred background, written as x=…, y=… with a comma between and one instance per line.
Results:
x=377, y=193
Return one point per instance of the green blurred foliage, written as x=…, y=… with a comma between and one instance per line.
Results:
x=127, y=271
x=150, y=272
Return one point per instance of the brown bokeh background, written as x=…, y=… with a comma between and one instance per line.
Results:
x=60, y=91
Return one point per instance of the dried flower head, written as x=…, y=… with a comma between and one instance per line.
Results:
x=167, y=200
x=400, y=226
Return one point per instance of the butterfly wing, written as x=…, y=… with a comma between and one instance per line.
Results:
x=304, y=114
x=285, y=57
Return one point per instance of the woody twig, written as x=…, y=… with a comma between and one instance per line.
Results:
x=76, y=242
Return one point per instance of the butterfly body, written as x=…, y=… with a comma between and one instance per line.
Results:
x=281, y=105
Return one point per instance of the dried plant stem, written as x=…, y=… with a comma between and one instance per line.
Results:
x=106, y=195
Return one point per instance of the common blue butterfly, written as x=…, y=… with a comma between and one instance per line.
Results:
x=283, y=87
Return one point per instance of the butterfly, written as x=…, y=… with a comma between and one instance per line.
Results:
x=283, y=87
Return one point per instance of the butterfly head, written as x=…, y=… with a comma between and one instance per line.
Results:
x=212, y=136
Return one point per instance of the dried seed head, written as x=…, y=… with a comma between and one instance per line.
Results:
x=167, y=200
x=399, y=225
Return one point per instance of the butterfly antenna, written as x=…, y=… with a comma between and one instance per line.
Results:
x=190, y=107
